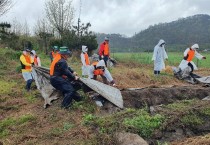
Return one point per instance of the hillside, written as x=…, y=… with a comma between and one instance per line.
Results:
x=178, y=35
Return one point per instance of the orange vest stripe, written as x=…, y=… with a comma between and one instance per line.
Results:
x=106, y=49
x=86, y=59
x=52, y=66
x=54, y=54
x=191, y=55
x=28, y=60
x=35, y=61
x=98, y=72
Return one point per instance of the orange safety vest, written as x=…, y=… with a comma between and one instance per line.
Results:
x=54, y=54
x=191, y=54
x=97, y=71
x=86, y=59
x=106, y=49
x=35, y=61
x=28, y=60
x=52, y=66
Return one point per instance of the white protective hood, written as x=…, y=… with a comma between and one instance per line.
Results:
x=34, y=52
x=84, y=48
x=194, y=46
x=161, y=42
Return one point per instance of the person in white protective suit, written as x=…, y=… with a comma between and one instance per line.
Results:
x=85, y=61
x=37, y=61
x=189, y=54
x=99, y=68
x=159, y=55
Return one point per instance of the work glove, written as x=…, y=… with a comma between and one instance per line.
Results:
x=204, y=57
x=102, y=56
x=76, y=78
x=75, y=73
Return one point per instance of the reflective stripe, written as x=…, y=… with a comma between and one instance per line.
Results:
x=52, y=66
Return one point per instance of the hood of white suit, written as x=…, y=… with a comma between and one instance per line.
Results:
x=84, y=48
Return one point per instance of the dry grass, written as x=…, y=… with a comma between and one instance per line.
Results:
x=58, y=126
x=200, y=140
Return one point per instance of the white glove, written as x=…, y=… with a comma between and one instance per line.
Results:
x=76, y=78
x=102, y=56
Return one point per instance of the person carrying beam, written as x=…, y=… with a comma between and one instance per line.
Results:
x=63, y=77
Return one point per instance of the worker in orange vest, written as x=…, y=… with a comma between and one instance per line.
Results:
x=98, y=68
x=189, y=54
x=37, y=61
x=62, y=76
x=85, y=61
x=26, y=64
x=104, y=50
x=53, y=53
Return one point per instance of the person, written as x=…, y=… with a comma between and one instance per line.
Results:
x=35, y=57
x=63, y=77
x=85, y=61
x=98, y=68
x=104, y=51
x=26, y=64
x=53, y=52
x=189, y=54
x=159, y=55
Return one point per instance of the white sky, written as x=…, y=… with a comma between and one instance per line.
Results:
x=115, y=16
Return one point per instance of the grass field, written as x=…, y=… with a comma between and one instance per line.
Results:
x=174, y=58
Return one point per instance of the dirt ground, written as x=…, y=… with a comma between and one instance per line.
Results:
x=51, y=125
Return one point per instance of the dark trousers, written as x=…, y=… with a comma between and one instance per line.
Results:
x=28, y=84
x=103, y=78
x=191, y=66
x=67, y=88
x=156, y=72
x=106, y=58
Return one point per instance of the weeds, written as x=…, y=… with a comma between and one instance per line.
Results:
x=192, y=119
x=9, y=122
x=144, y=123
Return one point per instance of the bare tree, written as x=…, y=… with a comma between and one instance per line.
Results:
x=5, y=5
x=60, y=14
x=44, y=33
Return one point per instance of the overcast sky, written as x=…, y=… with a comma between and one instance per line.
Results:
x=115, y=16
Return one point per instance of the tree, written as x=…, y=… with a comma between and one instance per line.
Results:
x=5, y=5
x=44, y=33
x=60, y=14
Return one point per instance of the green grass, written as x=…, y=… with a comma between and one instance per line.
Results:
x=174, y=58
x=9, y=122
x=6, y=86
x=131, y=120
